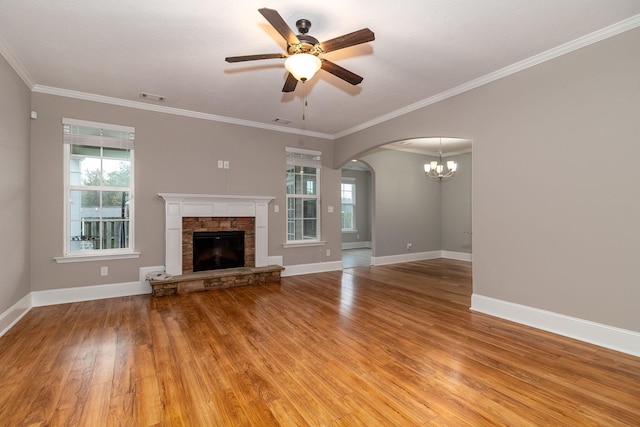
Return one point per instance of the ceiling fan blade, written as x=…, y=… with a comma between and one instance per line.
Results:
x=254, y=57
x=340, y=72
x=351, y=39
x=278, y=23
x=290, y=83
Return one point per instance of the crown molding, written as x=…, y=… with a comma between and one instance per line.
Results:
x=171, y=110
x=589, y=39
x=610, y=31
x=15, y=64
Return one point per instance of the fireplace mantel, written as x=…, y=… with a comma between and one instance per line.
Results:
x=179, y=205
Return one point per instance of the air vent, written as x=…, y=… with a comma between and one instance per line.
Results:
x=152, y=97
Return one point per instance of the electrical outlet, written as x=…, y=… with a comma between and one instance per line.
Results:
x=330, y=209
x=104, y=271
x=408, y=246
x=328, y=252
x=276, y=208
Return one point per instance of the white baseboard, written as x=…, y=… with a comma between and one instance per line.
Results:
x=14, y=313
x=606, y=336
x=394, y=259
x=320, y=267
x=356, y=245
x=460, y=256
x=419, y=256
x=88, y=293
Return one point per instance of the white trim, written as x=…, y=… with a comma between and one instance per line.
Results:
x=303, y=243
x=618, y=339
x=170, y=110
x=96, y=257
x=15, y=64
x=88, y=293
x=356, y=245
x=394, y=259
x=179, y=205
x=419, y=256
x=602, y=34
x=14, y=313
x=605, y=33
x=320, y=267
x=460, y=256
x=97, y=125
x=303, y=151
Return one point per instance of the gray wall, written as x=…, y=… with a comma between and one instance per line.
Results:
x=173, y=154
x=456, y=207
x=363, y=206
x=14, y=187
x=555, y=180
x=407, y=209
x=410, y=208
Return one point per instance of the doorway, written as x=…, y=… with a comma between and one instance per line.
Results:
x=356, y=211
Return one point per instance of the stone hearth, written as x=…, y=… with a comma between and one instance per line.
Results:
x=216, y=279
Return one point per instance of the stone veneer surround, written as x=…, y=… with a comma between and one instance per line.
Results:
x=179, y=206
x=192, y=224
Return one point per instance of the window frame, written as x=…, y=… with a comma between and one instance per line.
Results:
x=349, y=181
x=70, y=139
x=305, y=159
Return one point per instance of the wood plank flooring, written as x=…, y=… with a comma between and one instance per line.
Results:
x=369, y=346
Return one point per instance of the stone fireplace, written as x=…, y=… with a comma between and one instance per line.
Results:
x=186, y=212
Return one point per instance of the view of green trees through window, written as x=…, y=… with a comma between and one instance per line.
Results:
x=100, y=188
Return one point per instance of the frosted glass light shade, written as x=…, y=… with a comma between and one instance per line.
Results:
x=302, y=65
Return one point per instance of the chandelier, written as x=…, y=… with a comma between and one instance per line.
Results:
x=436, y=170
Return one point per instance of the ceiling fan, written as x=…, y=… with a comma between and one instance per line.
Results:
x=303, y=51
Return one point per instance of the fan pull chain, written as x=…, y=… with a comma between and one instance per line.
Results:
x=304, y=100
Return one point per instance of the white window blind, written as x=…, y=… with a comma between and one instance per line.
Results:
x=83, y=132
x=302, y=157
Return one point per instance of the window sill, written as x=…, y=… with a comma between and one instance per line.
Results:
x=304, y=244
x=349, y=230
x=95, y=257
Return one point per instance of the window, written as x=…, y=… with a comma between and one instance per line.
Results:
x=348, y=195
x=303, y=195
x=98, y=188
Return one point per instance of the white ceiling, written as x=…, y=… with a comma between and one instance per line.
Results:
x=424, y=50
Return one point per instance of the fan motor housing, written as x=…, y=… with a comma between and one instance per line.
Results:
x=308, y=44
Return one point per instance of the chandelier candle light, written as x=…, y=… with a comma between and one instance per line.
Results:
x=435, y=170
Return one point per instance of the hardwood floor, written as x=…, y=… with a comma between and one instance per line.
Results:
x=390, y=345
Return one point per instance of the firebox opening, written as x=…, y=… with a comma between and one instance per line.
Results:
x=213, y=250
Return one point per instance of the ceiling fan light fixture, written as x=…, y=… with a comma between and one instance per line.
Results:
x=303, y=66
